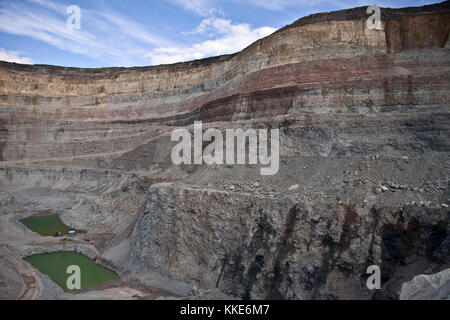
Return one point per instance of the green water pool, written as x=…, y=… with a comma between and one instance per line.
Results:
x=47, y=225
x=55, y=266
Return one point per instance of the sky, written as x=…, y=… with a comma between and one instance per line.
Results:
x=148, y=32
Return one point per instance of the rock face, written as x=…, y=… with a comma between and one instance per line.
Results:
x=364, y=159
x=427, y=287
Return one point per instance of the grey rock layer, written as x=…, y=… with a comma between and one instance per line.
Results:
x=427, y=287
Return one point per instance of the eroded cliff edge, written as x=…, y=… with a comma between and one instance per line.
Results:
x=364, y=123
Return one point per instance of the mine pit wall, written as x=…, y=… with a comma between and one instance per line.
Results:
x=338, y=92
x=395, y=83
x=370, y=84
x=327, y=63
x=280, y=249
x=65, y=179
x=90, y=200
x=114, y=93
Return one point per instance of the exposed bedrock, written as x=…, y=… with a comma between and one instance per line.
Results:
x=282, y=247
x=427, y=287
x=364, y=159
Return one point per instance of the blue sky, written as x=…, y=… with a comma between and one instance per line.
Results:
x=148, y=32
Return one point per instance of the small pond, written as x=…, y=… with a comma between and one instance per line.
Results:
x=55, y=266
x=47, y=225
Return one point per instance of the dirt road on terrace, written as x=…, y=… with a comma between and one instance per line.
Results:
x=31, y=283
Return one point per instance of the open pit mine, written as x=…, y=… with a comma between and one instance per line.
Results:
x=363, y=179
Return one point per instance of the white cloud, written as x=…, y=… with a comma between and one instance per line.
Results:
x=13, y=56
x=115, y=39
x=207, y=7
x=50, y=5
x=200, y=7
x=278, y=5
x=124, y=25
x=231, y=38
x=107, y=36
